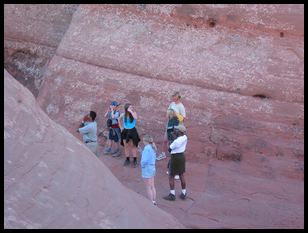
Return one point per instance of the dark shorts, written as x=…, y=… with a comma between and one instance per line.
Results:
x=177, y=164
x=114, y=134
x=130, y=134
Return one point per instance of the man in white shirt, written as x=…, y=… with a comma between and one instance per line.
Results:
x=177, y=162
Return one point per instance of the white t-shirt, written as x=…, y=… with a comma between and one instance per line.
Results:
x=179, y=108
x=179, y=145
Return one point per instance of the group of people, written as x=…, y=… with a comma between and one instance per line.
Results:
x=122, y=130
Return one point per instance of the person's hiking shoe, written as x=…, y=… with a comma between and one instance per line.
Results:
x=161, y=156
x=107, y=151
x=183, y=196
x=176, y=177
x=126, y=162
x=116, y=153
x=170, y=197
x=135, y=163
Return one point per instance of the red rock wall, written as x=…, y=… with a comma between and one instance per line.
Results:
x=142, y=54
x=32, y=34
x=51, y=180
x=240, y=78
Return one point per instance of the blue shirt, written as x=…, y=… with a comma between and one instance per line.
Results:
x=89, y=131
x=127, y=124
x=148, y=156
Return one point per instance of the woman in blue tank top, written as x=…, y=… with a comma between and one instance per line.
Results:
x=129, y=135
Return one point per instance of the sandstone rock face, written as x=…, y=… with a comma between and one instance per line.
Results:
x=240, y=70
x=51, y=180
x=32, y=34
x=242, y=88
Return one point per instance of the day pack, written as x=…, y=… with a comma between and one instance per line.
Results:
x=109, y=121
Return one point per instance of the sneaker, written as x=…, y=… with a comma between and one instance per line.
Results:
x=135, y=163
x=107, y=151
x=116, y=153
x=161, y=156
x=167, y=172
x=154, y=203
x=183, y=196
x=176, y=177
x=126, y=162
x=170, y=197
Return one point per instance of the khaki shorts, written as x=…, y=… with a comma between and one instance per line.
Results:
x=92, y=146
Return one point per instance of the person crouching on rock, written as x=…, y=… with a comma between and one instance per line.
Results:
x=88, y=129
x=177, y=162
x=129, y=135
x=147, y=162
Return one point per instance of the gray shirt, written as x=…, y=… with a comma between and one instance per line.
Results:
x=89, y=131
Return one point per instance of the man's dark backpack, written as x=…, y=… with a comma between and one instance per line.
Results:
x=109, y=123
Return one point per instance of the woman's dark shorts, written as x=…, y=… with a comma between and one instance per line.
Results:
x=130, y=134
x=177, y=164
x=114, y=134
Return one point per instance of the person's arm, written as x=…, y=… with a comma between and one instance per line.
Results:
x=154, y=146
x=120, y=121
x=175, y=144
x=145, y=157
x=85, y=129
x=115, y=115
x=183, y=112
x=106, y=113
x=130, y=109
x=181, y=115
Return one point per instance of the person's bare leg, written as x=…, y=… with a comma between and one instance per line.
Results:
x=183, y=182
x=108, y=144
x=153, y=189
x=126, y=149
x=165, y=144
x=134, y=150
x=111, y=145
x=171, y=182
x=147, y=183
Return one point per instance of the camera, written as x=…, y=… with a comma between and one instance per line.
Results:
x=81, y=124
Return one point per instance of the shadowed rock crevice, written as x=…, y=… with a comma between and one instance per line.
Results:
x=28, y=68
x=32, y=34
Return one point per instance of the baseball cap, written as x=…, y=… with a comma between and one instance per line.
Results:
x=181, y=128
x=114, y=103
